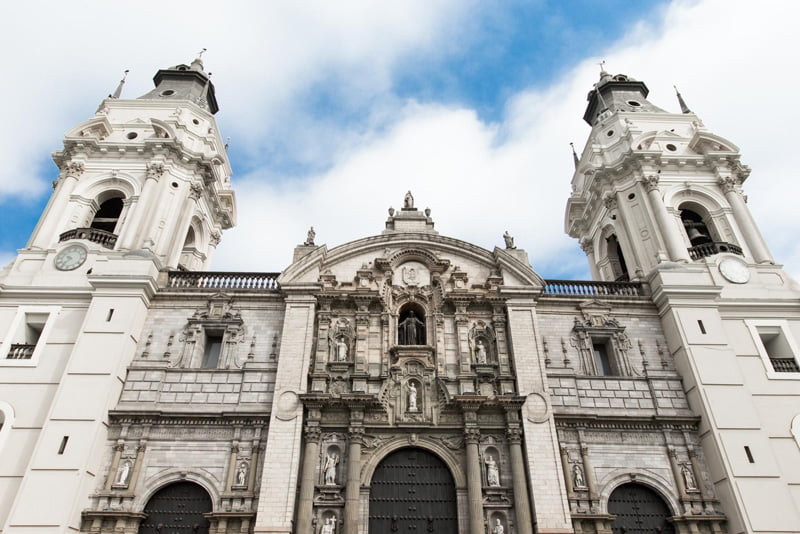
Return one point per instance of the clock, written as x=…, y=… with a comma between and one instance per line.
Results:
x=70, y=258
x=734, y=270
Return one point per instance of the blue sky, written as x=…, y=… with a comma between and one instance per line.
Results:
x=336, y=109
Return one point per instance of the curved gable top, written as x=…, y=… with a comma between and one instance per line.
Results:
x=389, y=251
x=704, y=142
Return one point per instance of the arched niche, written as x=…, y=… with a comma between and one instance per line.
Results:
x=616, y=259
x=108, y=213
x=411, y=324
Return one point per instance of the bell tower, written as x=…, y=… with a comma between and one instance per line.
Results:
x=148, y=174
x=657, y=199
x=654, y=187
x=143, y=188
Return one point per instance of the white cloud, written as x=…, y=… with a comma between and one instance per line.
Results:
x=733, y=61
x=481, y=179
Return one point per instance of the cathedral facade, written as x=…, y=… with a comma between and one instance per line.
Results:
x=406, y=381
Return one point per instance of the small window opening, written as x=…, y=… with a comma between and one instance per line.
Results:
x=63, y=445
x=601, y=360
x=702, y=326
x=778, y=349
x=107, y=216
x=617, y=261
x=110, y=315
x=696, y=229
x=212, y=351
x=749, y=455
x=29, y=338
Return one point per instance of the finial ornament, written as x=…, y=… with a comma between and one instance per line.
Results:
x=408, y=201
x=681, y=102
x=200, y=53
x=602, y=67
x=574, y=155
x=118, y=90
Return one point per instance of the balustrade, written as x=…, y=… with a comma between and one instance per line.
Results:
x=223, y=280
x=95, y=235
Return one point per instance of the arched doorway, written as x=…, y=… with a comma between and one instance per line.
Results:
x=639, y=510
x=412, y=491
x=177, y=509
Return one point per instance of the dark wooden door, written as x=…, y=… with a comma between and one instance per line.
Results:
x=639, y=510
x=177, y=509
x=412, y=491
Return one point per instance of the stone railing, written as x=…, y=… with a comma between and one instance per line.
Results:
x=784, y=365
x=21, y=351
x=583, y=288
x=715, y=247
x=101, y=237
x=221, y=280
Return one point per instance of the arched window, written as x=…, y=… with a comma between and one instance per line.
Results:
x=411, y=325
x=638, y=509
x=696, y=229
x=616, y=260
x=108, y=214
x=181, y=505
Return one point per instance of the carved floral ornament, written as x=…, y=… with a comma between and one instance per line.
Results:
x=73, y=169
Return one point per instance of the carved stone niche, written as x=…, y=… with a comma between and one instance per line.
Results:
x=483, y=349
x=341, y=338
x=413, y=375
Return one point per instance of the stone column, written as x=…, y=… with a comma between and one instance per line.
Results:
x=129, y=237
x=112, y=471
x=521, y=497
x=232, y=465
x=137, y=466
x=53, y=219
x=676, y=247
x=744, y=219
x=305, y=503
x=353, y=489
x=588, y=474
x=588, y=247
x=565, y=465
x=474, y=484
x=698, y=474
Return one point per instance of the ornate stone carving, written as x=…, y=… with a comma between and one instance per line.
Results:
x=492, y=471
x=509, y=241
x=728, y=184
x=610, y=201
x=155, y=170
x=310, y=235
x=195, y=191
x=650, y=182
x=73, y=169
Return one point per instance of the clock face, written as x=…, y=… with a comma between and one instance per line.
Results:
x=734, y=270
x=70, y=258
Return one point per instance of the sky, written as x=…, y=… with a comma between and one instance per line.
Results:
x=336, y=109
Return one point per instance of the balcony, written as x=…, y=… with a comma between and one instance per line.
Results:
x=785, y=365
x=221, y=280
x=713, y=247
x=95, y=235
x=21, y=351
x=583, y=288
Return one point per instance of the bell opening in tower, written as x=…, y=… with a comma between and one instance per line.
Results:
x=107, y=215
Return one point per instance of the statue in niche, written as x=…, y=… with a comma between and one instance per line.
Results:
x=480, y=351
x=498, y=527
x=412, y=331
x=509, y=240
x=408, y=201
x=492, y=471
x=688, y=478
x=341, y=350
x=310, y=237
x=412, y=397
x=578, y=480
x=241, y=474
x=329, y=527
x=124, y=471
x=331, y=461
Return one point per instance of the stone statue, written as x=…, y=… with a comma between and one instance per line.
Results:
x=331, y=460
x=124, y=471
x=412, y=331
x=408, y=201
x=498, y=527
x=341, y=350
x=578, y=479
x=688, y=478
x=509, y=240
x=480, y=352
x=241, y=474
x=329, y=527
x=492, y=472
x=310, y=237
x=412, y=397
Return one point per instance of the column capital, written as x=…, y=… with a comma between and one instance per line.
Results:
x=514, y=435
x=355, y=433
x=73, y=169
x=587, y=245
x=312, y=433
x=728, y=184
x=154, y=170
x=650, y=182
x=472, y=435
